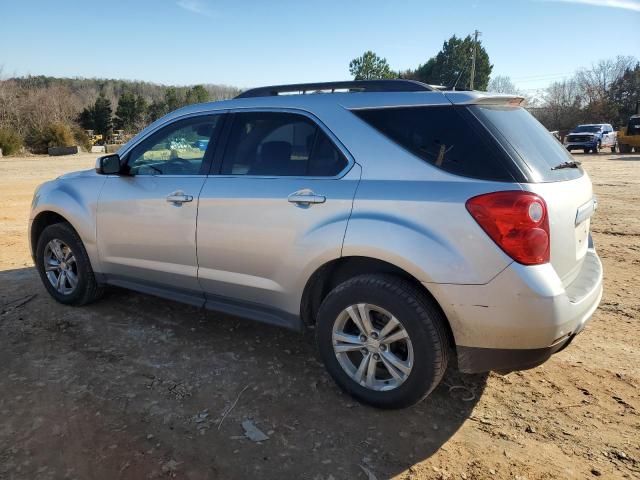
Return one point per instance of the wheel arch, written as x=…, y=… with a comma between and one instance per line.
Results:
x=336, y=271
x=41, y=221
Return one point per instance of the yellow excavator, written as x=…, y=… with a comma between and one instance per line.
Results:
x=96, y=139
x=629, y=136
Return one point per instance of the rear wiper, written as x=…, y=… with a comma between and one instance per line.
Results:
x=571, y=164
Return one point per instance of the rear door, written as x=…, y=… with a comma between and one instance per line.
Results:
x=606, y=137
x=277, y=209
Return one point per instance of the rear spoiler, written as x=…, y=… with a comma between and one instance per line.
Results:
x=481, y=98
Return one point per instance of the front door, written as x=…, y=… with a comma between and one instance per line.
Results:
x=279, y=206
x=147, y=215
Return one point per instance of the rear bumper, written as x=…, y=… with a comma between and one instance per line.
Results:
x=520, y=318
x=504, y=360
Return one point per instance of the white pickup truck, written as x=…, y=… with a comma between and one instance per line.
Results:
x=591, y=137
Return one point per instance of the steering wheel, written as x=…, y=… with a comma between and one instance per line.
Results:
x=184, y=165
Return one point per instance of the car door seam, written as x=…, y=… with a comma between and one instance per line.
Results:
x=353, y=201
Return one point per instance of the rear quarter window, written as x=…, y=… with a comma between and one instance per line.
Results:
x=447, y=137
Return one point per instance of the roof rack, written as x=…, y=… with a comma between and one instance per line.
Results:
x=352, y=86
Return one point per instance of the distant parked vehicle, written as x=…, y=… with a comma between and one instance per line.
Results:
x=629, y=136
x=591, y=138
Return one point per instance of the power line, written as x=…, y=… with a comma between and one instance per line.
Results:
x=542, y=75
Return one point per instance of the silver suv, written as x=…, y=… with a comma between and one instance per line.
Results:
x=404, y=223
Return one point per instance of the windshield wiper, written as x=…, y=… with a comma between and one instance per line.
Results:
x=571, y=164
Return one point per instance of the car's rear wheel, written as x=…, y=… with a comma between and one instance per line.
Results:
x=64, y=266
x=382, y=340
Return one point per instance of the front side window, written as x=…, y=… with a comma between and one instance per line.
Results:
x=178, y=149
x=279, y=144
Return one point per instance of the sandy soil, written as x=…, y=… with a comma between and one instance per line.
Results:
x=137, y=387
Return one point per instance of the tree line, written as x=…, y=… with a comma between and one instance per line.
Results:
x=39, y=112
x=450, y=67
x=605, y=92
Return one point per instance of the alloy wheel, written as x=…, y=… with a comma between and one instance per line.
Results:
x=60, y=266
x=372, y=347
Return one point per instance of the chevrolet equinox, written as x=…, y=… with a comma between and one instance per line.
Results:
x=403, y=222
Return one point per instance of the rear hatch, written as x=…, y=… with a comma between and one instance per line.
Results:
x=552, y=173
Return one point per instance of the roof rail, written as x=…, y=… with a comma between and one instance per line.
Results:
x=352, y=86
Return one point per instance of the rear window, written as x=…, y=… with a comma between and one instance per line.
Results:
x=445, y=137
x=528, y=142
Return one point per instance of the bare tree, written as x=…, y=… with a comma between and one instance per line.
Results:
x=561, y=107
x=502, y=84
x=594, y=82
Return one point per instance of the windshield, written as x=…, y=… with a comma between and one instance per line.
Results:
x=586, y=128
x=527, y=142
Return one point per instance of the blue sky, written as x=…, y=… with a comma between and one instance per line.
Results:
x=251, y=43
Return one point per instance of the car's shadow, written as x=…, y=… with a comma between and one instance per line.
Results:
x=626, y=158
x=175, y=383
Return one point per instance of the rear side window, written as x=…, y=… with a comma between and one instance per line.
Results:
x=280, y=144
x=444, y=137
x=528, y=142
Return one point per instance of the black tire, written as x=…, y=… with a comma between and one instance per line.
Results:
x=420, y=317
x=585, y=150
x=87, y=289
x=624, y=148
x=613, y=148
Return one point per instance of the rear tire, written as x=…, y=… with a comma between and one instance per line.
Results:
x=585, y=150
x=624, y=148
x=421, y=344
x=64, y=266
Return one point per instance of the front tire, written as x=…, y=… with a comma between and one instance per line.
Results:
x=382, y=340
x=64, y=266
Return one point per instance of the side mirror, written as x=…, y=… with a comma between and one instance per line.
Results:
x=108, y=164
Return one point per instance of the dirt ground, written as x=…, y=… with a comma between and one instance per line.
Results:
x=138, y=387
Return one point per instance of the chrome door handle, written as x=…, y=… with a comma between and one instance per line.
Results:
x=178, y=198
x=306, y=197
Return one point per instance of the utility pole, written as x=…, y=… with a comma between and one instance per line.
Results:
x=476, y=34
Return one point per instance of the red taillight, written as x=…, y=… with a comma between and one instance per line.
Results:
x=517, y=221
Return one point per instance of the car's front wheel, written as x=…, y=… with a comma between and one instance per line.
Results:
x=64, y=266
x=382, y=340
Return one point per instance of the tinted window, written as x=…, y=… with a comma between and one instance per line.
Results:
x=587, y=128
x=279, y=144
x=178, y=149
x=443, y=137
x=525, y=138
